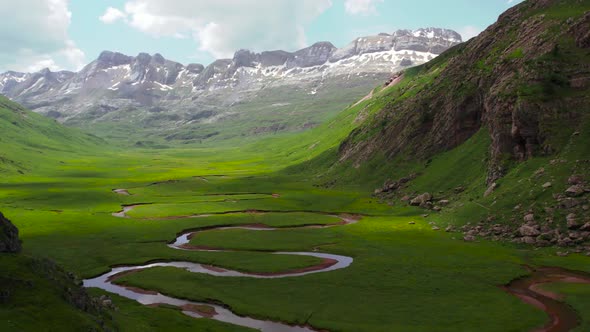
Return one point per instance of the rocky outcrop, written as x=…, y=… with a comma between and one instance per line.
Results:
x=9, y=241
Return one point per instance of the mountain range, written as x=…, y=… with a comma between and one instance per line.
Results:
x=149, y=91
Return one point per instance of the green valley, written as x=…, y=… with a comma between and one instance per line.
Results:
x=453, y=198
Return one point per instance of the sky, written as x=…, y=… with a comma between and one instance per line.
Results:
x=68, y=34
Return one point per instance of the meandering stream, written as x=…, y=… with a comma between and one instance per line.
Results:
x=330, y=262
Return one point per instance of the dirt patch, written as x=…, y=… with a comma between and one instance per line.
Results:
x=326, y=263
x=203, y=310
x=141, y=291
x=214, y=268
x=121, y=275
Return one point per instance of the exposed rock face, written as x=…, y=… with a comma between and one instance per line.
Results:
x=507, y=80
x=9, y=241
x=114, y=83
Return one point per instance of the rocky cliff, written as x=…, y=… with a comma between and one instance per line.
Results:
x=9, y=241
x=525, y=80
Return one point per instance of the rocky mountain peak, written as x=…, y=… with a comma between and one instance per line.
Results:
x=195, y=68
x=111, y=59
x=245, y=58
x=158, y=58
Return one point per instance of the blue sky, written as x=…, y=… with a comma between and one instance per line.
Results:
x=66, y=34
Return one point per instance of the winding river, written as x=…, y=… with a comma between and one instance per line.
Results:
x=330, y=262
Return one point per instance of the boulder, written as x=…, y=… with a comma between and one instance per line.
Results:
x=575, y=191
x=529, y=217
x=547, y=185
x=526, y=230
x=490, y=189
x=568, y=203
x=575, y=179
x=443, y=202
x=529, y=240
x=572, y=222
x=9, y=241
x=421, y=199
x=469, y=238
x=585, y=227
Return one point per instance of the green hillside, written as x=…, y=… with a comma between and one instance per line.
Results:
x=29, y=141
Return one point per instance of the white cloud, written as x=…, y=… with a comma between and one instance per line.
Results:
x=220, y=27
x=361, y=7
x=34, y=35
x=112, y=15
x=469, y=31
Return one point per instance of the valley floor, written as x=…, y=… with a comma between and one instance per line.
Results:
x=406, y=276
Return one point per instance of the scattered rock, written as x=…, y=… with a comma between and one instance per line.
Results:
x=572, y=223
x=459, y=190
x=562, y=254
x=436, y=208
x=528, y=240
x=585, y=227
x=547, y=185
x=443, y=202
x=405, y=198
x=469, y=238
x=575, y=191
x=449, y=229
x=435, y=228
x=575, y=179
x=568, y=203
x=490, y=189
x=526, y=230
x=412, y=223
x=421, y=200
x=540, y=172
x=390, y=186
x=529, y=217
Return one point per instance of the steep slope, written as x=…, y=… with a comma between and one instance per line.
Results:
x=28, y=140
x=497, y=123
x=247, y=95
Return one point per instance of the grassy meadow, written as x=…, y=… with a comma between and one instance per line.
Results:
x=56, y=186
